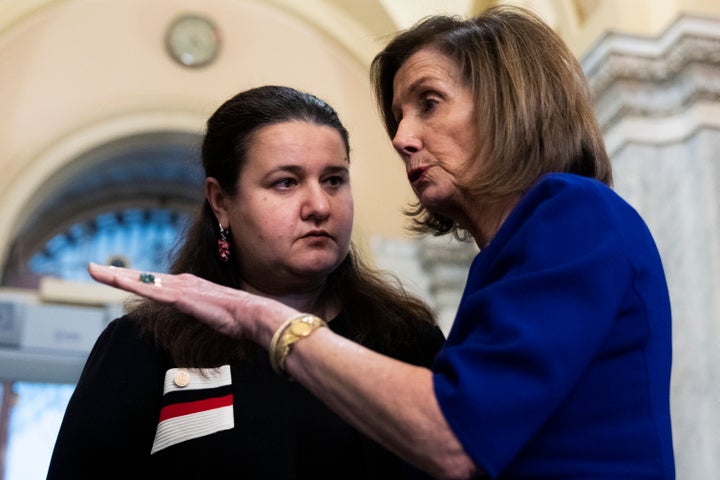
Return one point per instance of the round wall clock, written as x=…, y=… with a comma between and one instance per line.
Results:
x=193, y=40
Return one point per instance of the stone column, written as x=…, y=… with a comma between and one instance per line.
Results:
x=658, y=101
x=435, y=268
x=446, y=262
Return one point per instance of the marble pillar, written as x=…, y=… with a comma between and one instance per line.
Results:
x=658, y=101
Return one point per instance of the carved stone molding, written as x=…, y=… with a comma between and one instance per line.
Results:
x=446, y=260
x=446, y=250
x=651, y=77
x=433, y=267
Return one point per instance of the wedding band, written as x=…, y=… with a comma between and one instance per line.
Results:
x=147, y=278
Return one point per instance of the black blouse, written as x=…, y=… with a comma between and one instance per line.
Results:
x=280, y=430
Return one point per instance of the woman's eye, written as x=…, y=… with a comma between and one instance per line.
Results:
x=427, y=104
x=284, y=183
x=335, y=181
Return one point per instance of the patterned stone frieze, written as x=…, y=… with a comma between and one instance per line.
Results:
x=644, y=77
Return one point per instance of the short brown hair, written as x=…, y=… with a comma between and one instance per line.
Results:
x=533, y=109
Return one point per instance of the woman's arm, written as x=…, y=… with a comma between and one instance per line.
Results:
x=388, y=400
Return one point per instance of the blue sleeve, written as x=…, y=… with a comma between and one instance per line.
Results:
x=538, y=305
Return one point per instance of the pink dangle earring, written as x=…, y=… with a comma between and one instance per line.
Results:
x=223, y=244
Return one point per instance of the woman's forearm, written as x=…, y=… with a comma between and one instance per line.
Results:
x=390, y=401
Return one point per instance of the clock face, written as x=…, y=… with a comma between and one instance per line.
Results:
x=193, y=40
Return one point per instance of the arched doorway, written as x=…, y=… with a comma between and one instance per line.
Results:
x=123, y=202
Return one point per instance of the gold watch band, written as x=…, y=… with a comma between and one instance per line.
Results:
x=290, y=332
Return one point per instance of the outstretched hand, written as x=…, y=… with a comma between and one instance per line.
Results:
x=232, y=312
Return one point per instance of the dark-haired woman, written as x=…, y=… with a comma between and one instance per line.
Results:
x=165, y=396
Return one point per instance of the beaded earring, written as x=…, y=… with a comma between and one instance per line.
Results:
x=223, y=244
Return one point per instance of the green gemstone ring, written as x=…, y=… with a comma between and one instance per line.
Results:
x=147, y=278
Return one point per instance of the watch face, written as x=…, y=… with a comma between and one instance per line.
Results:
x=301, y=329
x=193, y=40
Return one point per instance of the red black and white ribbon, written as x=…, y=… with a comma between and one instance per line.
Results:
x=196, y=403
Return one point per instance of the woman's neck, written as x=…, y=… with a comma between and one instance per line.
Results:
x=309, y=301
x=484, y=222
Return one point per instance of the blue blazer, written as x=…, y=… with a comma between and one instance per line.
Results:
x=558, y=363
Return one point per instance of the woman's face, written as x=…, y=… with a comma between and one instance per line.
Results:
x=291, y=219
x=434, y=109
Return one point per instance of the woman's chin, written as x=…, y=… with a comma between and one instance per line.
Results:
x=320, y=266
x=440, y=199
x=434, y=203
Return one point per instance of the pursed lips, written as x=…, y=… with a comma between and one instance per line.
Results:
x=414, y=174
x=316, y=234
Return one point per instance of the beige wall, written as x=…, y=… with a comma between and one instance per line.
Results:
x=583, y=22
x=77, y=74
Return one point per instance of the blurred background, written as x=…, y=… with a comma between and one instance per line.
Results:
x=104, y=103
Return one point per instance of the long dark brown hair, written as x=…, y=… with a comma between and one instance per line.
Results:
x=533, y=110
x=380, y=312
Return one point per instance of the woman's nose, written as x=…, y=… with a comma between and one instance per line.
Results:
x=317, y=203
x=405, y=141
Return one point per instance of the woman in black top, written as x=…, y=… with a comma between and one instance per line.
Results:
x=164, y=395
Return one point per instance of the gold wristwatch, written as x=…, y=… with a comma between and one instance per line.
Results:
x=288, y=334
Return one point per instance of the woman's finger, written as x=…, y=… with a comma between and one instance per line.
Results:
x=146, y=284
x=214, y=304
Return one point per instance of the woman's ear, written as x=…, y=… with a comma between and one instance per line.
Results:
x=216, y=198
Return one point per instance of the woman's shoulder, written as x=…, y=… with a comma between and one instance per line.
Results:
x=566, y=216
x=123, y=329
x=570, y=184
x=123, y=341
x=575, y=198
